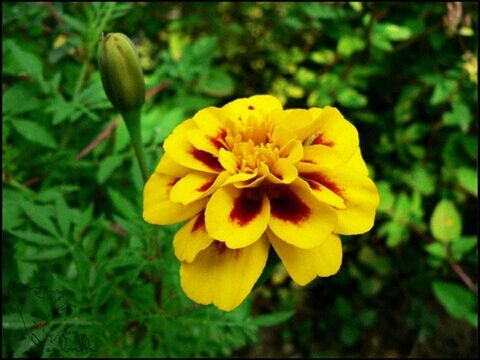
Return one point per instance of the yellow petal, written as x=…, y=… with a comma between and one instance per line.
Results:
x=320, y=155
x=159, y=209
x=237, y=217
x=167, y=166
x=331, y=129
x=357, y=163
x=297, y=217
x=282, y=172
x=196, y=185
x=202, y=141
x=292, y=151
x=361, y=200
x=228, y=161
x=224, y=276
x=178, y=147
x=261, y=103
x=303, y=265
x=191, y=239
x=211, y=120
x=290, y=124
x=320, y=191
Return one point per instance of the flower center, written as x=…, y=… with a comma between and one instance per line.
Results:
x=249, y=140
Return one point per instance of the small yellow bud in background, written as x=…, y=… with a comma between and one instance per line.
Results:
x=121, y=73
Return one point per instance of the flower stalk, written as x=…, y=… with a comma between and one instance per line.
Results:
x=132, y=120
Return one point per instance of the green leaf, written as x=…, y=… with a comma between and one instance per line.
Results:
x=459, y=116
x=20, y=98
x=462, y=245
x=467, y=178
x=443, y=90
x=37, y=239
x=347, y=45
x=395, y=32
x=123, y=205
x=26, y=62
x=34, y=133
x=217, y=83
x=446, y=222
x=457, y=300
x=38, y=215
x=18, y=321
x=107, y=167
x=437, y=249
x=48, y=254
x=349, y=335
x=387, y=197
x=82, y=264
x=272, y=319
x=351, y=98
x=63, y=216
x=324, y=56
x=421, y=180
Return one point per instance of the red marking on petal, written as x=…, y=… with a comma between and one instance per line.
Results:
x=308, y=161
x=313, y=184
x=246, y=207
x=322, y=179
x=286, y=205
x=205, y=186
x=250, y=107
x=173, y=181
x=220, y=246
x=207, y=158
x=199, y=223
x=218, y=141
x=320, y=140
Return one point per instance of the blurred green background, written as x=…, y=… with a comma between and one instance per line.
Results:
x=84, y=276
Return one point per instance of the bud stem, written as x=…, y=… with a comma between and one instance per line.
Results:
x=132, y=120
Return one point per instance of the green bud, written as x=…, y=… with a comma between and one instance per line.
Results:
x=121, y=73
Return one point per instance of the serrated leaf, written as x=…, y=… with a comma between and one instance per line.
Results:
x=63, y=216
x=17, y=321
x=446, y=222
x=82, y=264
x=26, y=62
x=123, y=205
x=457, y=300
x=34, y=133
x=19, y=98
x=107, y=167
x=37, y=239
x=39, y=217
x=82, y=220
x=48, y=254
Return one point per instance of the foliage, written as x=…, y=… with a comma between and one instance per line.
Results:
x=84, y=275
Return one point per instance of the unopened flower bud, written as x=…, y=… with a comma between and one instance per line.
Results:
x=121, y=73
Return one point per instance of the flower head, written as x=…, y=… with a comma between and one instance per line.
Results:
x=251, y=174
x=121, y=73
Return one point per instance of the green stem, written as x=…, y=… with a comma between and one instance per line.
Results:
x=132, y=120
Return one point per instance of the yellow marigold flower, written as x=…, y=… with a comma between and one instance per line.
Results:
x=251, y=174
